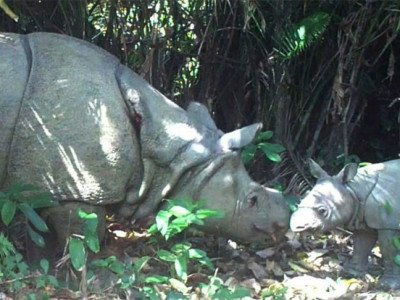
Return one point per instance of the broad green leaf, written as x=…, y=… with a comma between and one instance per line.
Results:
x=99, y=263
x=270, y=147
x=44, y=263
x=36, y=237
x=273, y=157
x=209, y=213
x=41, y=200
x=92, y=240
x=179, y=211
x=166, y=255
x=32, y=216
x=207, y=262
x=178, y=285
x=248, y=152
x=265, y=135
x=162, y=221
x=197, y=253
x=117, y=267
x=77, y=253
x=181, y=247
x=8, y=212
x=181, y=266
x=396, y=242
x=156, y=279
x=141, y=262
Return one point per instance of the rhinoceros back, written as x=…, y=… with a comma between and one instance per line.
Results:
x=377, y=187
x=72, y=136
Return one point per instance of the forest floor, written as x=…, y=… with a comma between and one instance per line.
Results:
x=306, y=268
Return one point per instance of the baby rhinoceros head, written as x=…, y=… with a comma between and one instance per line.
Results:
x=329, y=204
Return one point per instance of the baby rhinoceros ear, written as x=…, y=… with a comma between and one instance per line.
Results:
x=316, y=170
x=347, y=173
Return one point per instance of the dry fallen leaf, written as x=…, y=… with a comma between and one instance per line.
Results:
x=266, y=253
x=258, y=270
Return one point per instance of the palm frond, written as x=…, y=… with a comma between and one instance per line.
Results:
x=295, y=38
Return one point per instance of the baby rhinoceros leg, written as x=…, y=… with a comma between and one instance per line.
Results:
x=363, y=242
x=391, y=274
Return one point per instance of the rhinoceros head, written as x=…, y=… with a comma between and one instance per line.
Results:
x=329, y=204
x=251, y=211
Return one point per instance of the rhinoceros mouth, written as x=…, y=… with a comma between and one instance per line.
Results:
x=272, y=234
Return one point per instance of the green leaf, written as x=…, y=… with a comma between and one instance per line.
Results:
x=36, y=237
x=166, y=255
x=44, y=263
x=295, y=38
x=181, y=247
x=32, y=216
x=396, y=242
x=209, y=213
x=273, y=157
x=140, y=263
x=41, y=200
x=92, y=240
x=178, y=285
x=265, y=135
x=117, y=267
x=248, y=152
x=207, y=262
x=178, y=211
x=397, y=259
x=162, y=221
x=181, y=267
x=156, y=279
x=197, y=253
x=8, y=211
x=77, y=253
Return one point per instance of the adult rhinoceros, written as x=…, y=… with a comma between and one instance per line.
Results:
x=77, y=123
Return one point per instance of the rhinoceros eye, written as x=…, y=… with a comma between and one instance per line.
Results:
x=322, y=211
x=252, y=201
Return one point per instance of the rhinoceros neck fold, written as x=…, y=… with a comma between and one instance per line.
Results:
x=360, y=189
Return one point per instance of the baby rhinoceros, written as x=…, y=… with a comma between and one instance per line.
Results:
x=364, y=200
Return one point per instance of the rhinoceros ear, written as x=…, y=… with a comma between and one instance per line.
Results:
x=348, y=172
x=316, y=170
x=238, y=138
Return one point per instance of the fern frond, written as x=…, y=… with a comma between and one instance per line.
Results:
x=295, y=38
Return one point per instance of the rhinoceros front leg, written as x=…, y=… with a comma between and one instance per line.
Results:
x=391, y=275
x=363, y=242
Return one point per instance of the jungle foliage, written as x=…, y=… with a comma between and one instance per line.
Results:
x=319, y=74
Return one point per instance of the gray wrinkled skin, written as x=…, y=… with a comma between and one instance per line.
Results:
x=77, y=123
x=364, y=200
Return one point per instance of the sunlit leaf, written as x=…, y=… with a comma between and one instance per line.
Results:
x=209, y=213
x=178, y=285
x=181, y=266
x=166, y=255
x=179, y=211
x=156, y=279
